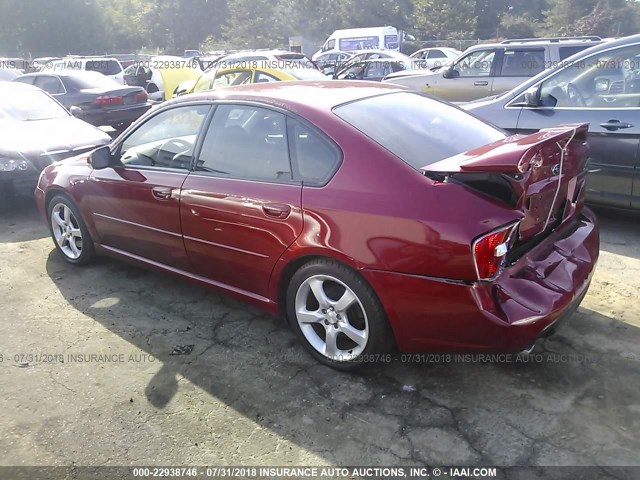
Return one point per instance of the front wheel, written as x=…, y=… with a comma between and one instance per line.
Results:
x=69, y=231
x=337, y=315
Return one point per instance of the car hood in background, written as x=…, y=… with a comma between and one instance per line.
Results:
x=45, y=141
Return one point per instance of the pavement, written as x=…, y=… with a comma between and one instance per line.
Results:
x=114, y=365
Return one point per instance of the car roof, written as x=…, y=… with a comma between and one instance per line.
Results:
x=297, y=96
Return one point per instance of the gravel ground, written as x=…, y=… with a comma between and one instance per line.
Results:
x=96, y=370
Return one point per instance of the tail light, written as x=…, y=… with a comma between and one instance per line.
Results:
x=106, y=100
x=141, y=97
x=490, y=252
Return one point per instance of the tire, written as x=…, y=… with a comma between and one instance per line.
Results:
x=69, y=232
x=315, y=305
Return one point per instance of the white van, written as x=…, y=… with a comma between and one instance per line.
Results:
x=109, y=67
x=378, y=38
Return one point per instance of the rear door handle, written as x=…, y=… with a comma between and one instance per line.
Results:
x=615, y=125
x=481, y=83
x=161, y=193
x=276, y=210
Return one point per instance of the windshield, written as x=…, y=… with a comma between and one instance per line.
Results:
x=29, y=106
x=416, y=128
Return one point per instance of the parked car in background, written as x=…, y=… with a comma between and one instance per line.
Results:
x=7, y=74
x=328, y=63
x=160, y=76
x=233, y=76
x=600, y=86
x=361, y=55
x=278, y=59
x=484, y=70
x=370, y=38
x=436, y=56
x=346, y=207
x=92, y=97
x=371, y=70
x=109, y=67
x=36, y=131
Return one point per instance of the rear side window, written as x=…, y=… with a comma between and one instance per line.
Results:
x=436, y=54
x=317, y=159
x=49, y=84
x=417, y=129
x=105, y=67
x=522, y=62
x=566, y=52
x=246, y=142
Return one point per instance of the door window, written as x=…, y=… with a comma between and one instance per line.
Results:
x=436, y=54
x=476, y=64
x=262, y=77
x=50, y=84
x=246, y=142
x=522, y=62
x=165, y=140
x=316, y=157
x=236, y=77
x=604, y=80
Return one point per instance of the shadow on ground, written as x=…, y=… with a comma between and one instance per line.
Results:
x=575, y=402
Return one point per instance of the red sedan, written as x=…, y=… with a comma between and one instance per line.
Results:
x=369, y=215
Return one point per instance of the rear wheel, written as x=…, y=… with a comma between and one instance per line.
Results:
x=337, y=315
x=69, y=231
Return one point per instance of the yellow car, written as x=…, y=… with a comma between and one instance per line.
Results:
x=234, y=75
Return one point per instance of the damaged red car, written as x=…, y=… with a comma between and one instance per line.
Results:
x=370, y=216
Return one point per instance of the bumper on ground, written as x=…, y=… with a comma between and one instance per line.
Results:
x=508, y=314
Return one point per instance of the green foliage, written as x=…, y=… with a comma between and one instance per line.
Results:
x=47, y=27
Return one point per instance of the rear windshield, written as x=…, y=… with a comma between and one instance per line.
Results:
x=105, y=67
x=91, y=80
x=416, y=128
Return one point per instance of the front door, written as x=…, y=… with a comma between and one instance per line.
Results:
x=136, y=206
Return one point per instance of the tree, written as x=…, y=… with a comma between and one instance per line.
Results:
x=444, y=19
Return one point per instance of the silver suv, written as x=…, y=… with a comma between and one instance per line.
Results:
x=490, y=69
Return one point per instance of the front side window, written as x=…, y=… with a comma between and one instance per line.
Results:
x=476, y=64
x=246, y=142
x=330, y=45
x=166, y=140
x=355, y=72
x=228, y=79
x=436, y=54
x=416, y=128
x=607, y=80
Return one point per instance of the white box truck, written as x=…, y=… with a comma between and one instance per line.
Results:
x=374, y=38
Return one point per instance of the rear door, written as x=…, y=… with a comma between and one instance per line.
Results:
x=603, y=90
x=136, y=207
x=241, y=208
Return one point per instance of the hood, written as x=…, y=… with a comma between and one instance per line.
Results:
x=45, y=141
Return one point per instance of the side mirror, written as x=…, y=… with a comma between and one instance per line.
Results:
x=532, y=97
x=450, y=72
x=101, y=158
x=75, y=111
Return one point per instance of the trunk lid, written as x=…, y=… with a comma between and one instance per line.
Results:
x=542, y=175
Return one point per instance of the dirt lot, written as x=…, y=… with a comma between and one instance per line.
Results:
x=91, y=375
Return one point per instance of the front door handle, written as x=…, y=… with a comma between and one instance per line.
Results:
x=276, y=210
x=613, y=125
x=481, y=83
x=161, y=193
